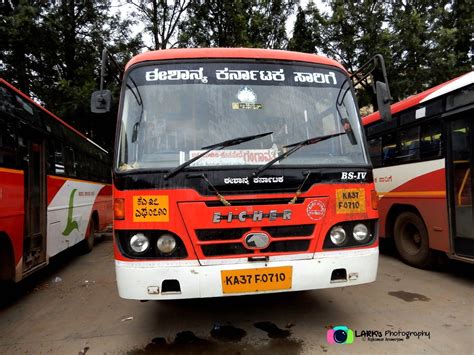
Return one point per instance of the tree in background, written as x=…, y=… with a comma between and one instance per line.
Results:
x=20, y=41
x=431, y=43
x=240, y=23
x=267, y=22
x=215, y=23
x=52, y=50
x=306, y=30
x=352, y=33
x=161, y=19
x=61, y=55
x=424, y=43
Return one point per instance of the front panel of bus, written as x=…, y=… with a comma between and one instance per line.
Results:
x=237, y=220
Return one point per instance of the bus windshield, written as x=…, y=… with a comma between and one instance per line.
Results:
x=172, y=110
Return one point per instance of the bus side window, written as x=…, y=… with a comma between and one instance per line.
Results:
x=430, y=140
x=7, y=145
x=409, y=144
x=82, y=170
x=389, y=149
x=375, y=151
x=56, y=158
x=71, y=163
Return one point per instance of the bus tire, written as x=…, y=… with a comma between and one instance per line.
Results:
x=88, y=243
x=412, y=242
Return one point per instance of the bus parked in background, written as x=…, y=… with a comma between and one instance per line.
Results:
x=239, y=171
x=54, y=186
x=423, y=172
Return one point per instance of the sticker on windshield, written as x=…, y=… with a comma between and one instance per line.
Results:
x=350, y=201
x=234, y=157
x=248, y=100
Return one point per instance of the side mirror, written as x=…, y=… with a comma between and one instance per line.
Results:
x=383, y=101
x=101, y=101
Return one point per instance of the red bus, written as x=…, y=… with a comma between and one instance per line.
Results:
x=423, y=172
x=239, y=171
x=54, y=186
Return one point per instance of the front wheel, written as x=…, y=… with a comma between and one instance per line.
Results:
x=88, y=243
x=412, y=242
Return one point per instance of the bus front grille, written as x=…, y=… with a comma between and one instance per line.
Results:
x=239, y=249
x=205, y=235
x=215, y=242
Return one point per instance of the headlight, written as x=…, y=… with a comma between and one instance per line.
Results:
x=338, y=235
x=139, y=243
x=360, y=232
x=166, y=244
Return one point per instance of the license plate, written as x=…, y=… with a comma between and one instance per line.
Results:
x=259, y=279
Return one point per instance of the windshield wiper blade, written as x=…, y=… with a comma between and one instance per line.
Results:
x=294, y=147
x=224, y=144
x=139, y=99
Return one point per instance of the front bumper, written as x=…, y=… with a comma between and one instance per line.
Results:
x=144, y=280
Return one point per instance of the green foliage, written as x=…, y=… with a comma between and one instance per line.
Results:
x=424, y=43
x=240, y=23
x=52, y=51
x=161, y=19
x=306, y=29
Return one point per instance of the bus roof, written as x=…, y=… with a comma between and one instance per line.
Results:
x=241, y=53
x=26, y=97
x=425, y=96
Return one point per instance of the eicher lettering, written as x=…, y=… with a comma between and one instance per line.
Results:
x=243, y=216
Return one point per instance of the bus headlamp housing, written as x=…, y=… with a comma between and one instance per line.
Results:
x=337, y=235
x=150, y=244
x=360, y=232
x=166, y=244
x=351, y=234
x=139, y=243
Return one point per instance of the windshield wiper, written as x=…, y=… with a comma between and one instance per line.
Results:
x=139, y=99
x=294, y=147
x=209, y=148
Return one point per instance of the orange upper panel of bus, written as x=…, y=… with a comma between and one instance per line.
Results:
x=427, y=95
x=240, y=53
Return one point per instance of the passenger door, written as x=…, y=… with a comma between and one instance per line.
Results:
x=460, y=163
x=34, y=243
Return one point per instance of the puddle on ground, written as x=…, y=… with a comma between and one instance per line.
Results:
x=408, y=296
x=185, y=341
x=227, y=332
x=272, y=330
x=188, y=343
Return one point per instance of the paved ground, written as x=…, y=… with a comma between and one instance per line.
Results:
x=83, y=313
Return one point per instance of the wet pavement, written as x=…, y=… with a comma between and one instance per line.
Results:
x=72, y=307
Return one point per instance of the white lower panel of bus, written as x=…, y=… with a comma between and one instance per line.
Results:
x=156, y=281
x=69, y=213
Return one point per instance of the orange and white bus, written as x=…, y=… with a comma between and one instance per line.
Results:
x=239, y=171
x=423, y=172
x=54, y=186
